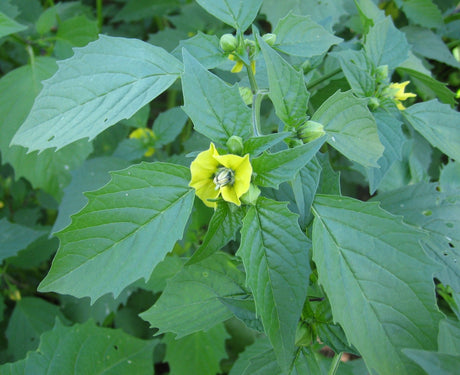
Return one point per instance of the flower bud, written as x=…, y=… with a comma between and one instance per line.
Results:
x=269, y=38
x=373, y=103
x=250, y=197
x=310, y=131
x=246, y=95
x=381, y=73
x=228, y=42
x=235, y=145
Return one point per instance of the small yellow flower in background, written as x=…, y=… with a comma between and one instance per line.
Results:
x=398, y=94
x=226, y=175
x=147, y=136
x=2, y=205
x=239, y=64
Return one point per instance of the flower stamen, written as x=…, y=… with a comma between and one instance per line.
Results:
x=224, y=176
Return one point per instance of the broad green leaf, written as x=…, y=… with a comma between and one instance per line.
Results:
x=135, y=10
x=358, y=71
x=377, y=266
x=256, y=145
x=275, y=254
x=392, y=138
x=449, y=337
x=329, y=182
x=15, y=237
x=74, y=32
x=273, y=169
x=287, y=87
x=166, y=269
x=450, y=177
x=198, y=353
x=422, y=12
x=168, y=125
x=426, y=43
x=430, y=86
x=244, y=309
x=205, y=48
x=301, y=36
x=9, y=26
x=221, y=229
x=123, y=232
x=438, y=123
x=30, y=318
x=257, y=359
x=434, y=363
x=48, y=170
x=85, y=349
x=351, y=128
x=236, y=13
x=424, y=206
x=369, y=13
x=92, y=175
x=216, y=109
x=84, y=98
x=386, y=45
x=190, y=301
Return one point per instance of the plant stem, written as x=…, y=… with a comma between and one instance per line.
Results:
x=323, y=78
x=335, y=364
x=256, y=100
x=252, y=79
x=99, y=14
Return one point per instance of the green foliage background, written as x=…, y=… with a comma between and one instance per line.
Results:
x=110, y=264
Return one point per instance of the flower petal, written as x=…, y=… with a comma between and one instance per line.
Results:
x=229, y=194
x=243, y=177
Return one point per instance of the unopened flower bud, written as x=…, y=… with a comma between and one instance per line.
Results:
x=235, y=145
x=228, y=42
x=250, y=197
x=381, y=73
x=269, y=38
x=374, y=103
x=310, y=131
x=246, y=95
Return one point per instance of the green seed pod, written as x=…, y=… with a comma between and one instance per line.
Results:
x=228, y=42
x=381, y=73
x=251, y=196
x=269, y=38
x=235, y=145
x=310, y=131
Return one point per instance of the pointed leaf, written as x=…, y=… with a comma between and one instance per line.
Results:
x=84, y=97
x=287, y=87
x=275, y=254
x=216, y=109
x=378, y=265
x=351, y=128
x=168, y=125
x=386, y=45
x=449, y=337
x=434, y=363
x=236, y=13
x=301, y=36
x=190, y=301
x=85, y=349
x=198, y=353
x=273, y=169
x=256, y=145
x=9, y=26
x=423, y=12
x=438, y=123
x=123, y=232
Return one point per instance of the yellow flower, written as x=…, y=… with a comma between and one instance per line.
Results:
x=147, y=136
x=398, y=94
x=227, y=175
x=2, y=204
x=239, y=64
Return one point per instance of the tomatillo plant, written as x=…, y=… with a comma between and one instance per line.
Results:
x=167, y=208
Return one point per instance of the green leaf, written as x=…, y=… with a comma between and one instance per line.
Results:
x=386, y=45
x=329, y=182
x=83, y=98
x=426, y=43
x=15, y=237
x=92, y=175
x=257, y=359
x=369, y=13
x=30, y=318
x=236, y=13
x=48, y=170
x=123, y=232
x=358, y=71
x=423, y=13
x=74, y=32
x=392, y=138
x=205, y=48
x=438, y=123
x=287, y=87
x=244, y=309
x=449, y=337
x=256, y=145
x=216, y=109
x=86, y=349
x=9, y=26
x=351, y=128
x=424, y=206
x=135, y=10
x=430, y=86
x=221, y=230
x=275, y=254
x=273, y=169
x=434, y=363
x=168, y=125
x=198, y=353
x=190, y=301
x=372, y=254
x=301, y=36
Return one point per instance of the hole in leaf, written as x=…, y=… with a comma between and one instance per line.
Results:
x=115, y=347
